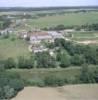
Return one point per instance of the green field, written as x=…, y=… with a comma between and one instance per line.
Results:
x=66, y=19
x=84, y=36
x=68, y=73
x=16, y=48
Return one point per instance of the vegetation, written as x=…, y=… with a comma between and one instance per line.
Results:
x=10, y=85
x=12, y=47
x=4, y=22
x=44, y=59
x=67, y=19
x=68, y=54
x=19, y=68
x=58, y=77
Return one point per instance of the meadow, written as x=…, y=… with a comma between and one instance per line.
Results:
x=12, y=47
x=85, y=36
x=68, y=19
x=37, y=75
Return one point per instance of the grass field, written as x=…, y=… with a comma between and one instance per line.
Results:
x=16, y=48
x=85, y=36
x=68, y=73
x=67, y=19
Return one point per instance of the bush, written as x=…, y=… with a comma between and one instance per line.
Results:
x=17, y=84
x=25, y=63
x=9, y=63
x=44, y=60
x=86, y=75
x=6, y=36
x=36, y=82
x=13, y=39
x=10, y=85
x=54, y=81
x=77, y=60
x=64, y=59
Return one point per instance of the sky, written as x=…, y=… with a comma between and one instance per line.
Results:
x=46, y=3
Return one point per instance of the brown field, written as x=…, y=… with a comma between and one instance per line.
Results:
x=69, y=92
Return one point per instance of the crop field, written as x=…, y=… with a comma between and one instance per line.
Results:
x=85, y=36
x=14, y=49
x=68, y=19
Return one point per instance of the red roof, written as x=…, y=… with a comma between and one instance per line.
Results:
x=39, y=33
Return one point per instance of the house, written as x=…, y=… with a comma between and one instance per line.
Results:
x=69, y=30
x=23, y=34
x=39, y=36
x=36, y=49
x=55, y=34
x=48, y=36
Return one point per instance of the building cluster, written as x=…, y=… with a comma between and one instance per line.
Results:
x=37, y=37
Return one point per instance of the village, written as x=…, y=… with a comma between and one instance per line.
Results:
x=38, y=38
x=48, y=53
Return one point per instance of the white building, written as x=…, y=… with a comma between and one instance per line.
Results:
x=39, y=49
x=37, y=37
x=55, y=34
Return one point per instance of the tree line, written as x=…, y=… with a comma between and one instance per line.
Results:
x=86, y=27
x=4, y=22
x=11, y=83
x=66, y=54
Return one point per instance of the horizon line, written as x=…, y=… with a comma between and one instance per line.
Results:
x=47, y=6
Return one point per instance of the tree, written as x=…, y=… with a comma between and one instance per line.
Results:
x=44, y=60
x=25, y=63
x=77, y=60
x=64, y=58
x=17, y=84
x=54, y=81
x=86, y=75
x=9, y=63
x=96, y=75
x=10, y=84
x=8, y=92
x=91, y=55
x=59, y=42
x=60, y=27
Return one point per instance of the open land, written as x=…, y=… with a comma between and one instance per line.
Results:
x=70, y=92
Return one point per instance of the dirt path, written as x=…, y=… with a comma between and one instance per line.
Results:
x=87, y=42
x=70, y=92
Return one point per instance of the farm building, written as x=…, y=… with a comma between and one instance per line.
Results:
x=22, y=34
x=37, y=37
x=55, y=34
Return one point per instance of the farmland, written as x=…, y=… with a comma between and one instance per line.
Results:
x=13, y=48
x=85, y=36
x=68, y=19
x=37, y=75
x=65, y=62
x=69, y=92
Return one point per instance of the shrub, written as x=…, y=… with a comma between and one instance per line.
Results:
x=9, y=63
x=25, y=63
x=36, y=82
x=10, y=84
x=54, y=81
x=77, y=60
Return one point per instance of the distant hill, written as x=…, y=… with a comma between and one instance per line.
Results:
x=45, y=8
